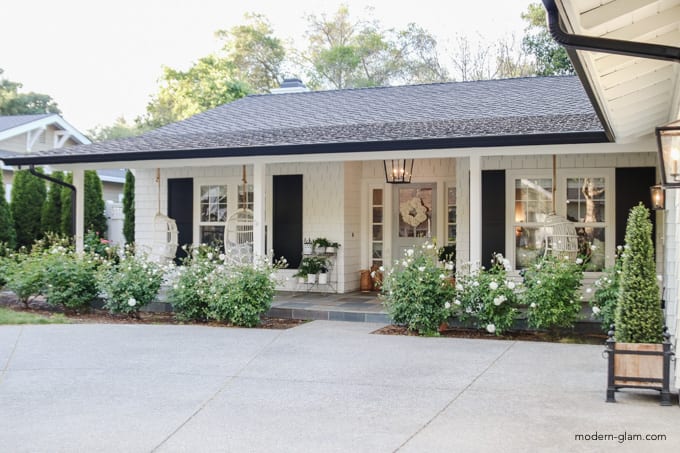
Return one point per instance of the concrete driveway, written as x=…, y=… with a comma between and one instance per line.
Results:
x=320, y=387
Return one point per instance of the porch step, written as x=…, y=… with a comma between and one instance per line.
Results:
x=353, y=307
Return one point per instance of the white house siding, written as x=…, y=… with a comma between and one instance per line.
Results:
x=671, y=279
x=349, y=260
x=19, y=142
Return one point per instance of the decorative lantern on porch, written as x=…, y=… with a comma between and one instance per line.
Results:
x=398, y=171
x=668, y=142
x=165, y=238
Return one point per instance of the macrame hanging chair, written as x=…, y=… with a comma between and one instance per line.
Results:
x=165, y=235
x=238, y=231
x=561, y=239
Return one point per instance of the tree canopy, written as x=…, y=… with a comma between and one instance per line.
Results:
x=13, y=102
x=550, y=57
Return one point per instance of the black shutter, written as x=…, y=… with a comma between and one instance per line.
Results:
x=632, y=187
x=493, y=214
x=287, y=218
x=181, y=208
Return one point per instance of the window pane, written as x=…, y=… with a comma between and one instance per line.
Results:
x=585, y=199
x=528, y=245
x=452, y=233
x=377, y=250
x=377, y=232
x=452, y=196
x=415, y=212
x=377, y=215
x=377, y=197
x=452, y=214
x=212, y=234
x=592, y=244
x=533, y=199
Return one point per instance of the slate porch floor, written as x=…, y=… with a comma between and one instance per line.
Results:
x=355, y=306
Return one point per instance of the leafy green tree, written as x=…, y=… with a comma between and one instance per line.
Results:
x=639, y=318
x=129, y=207
x=95, y=220
x=28, y=198
x=119, y=129
x=256, y=54
x=550, y=57
x=7, y=233
x=207, y=84
x=51, y=211
x=12, y=102
x=344, y=53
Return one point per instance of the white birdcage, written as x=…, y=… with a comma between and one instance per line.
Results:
x=561, y=239
x=165, y=238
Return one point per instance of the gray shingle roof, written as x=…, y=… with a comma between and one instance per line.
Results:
x=362, y=118
x=12, y=121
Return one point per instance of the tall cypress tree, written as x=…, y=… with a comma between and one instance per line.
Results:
x=129, y=207
x=95, y=220
x=28, y=197
x=51, y=212
x=7, y=233
x=639, y=318
x=66, y=206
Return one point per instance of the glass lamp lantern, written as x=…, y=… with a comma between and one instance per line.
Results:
x=398, y=171
x=668, y=147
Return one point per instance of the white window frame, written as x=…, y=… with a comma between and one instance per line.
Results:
x=560, y=204
x=232, y=201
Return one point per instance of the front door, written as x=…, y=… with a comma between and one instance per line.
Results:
x=414, y=216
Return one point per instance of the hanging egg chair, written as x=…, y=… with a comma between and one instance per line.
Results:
x=165, y=235
x=238, y=231
x=561, y=240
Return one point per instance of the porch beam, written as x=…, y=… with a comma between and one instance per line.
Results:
x=475, y=200
x=79, y=184
x=259, y=181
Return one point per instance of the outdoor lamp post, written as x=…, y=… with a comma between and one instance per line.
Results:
x=398, y=171
x=668, y=143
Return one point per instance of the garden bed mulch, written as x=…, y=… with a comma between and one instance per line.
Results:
x=96, y=316
x=519, y=335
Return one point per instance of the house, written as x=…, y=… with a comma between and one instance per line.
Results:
x=26, y=134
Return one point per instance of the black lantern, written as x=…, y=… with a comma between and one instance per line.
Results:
x=398, y=171
x=658, y=195
x=668, y=143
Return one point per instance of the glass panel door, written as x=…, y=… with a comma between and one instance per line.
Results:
x=414, y=216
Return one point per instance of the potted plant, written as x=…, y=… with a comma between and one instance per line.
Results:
x=307, y=247
x=323, y=275
x=320, y=245
x=332, y=247
x=639, y=355
x=310, y=266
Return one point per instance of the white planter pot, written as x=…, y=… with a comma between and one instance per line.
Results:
x=320, y=250
x=311, y=278
x=323, y=278
x=307, y=249
x=330, y=249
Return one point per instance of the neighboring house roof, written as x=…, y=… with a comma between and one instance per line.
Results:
x=14, y=125
x=522, y=111
x=112, y=175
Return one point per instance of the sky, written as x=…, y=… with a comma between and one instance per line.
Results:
x=100, y=60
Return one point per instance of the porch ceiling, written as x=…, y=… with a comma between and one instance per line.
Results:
x=634, y=94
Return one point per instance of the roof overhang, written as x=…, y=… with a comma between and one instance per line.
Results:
x=634, y=84
x=52, y=120
x=357, y=148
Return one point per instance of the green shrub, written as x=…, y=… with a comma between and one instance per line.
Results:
x=190, y=291
x=7, y=234
x=603, y=302
x=51, y=210
x=639, y=318
x=416, y=291
x=69, y=279
x=24, y=274
x=28, y=197
x=241, y=295
x=551, y=292
x=487, y=299
x=129, y=285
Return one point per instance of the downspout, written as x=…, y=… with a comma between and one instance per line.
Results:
x=31, y=169
x=615, y=46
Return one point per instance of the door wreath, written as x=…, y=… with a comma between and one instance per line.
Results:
x=413, y=212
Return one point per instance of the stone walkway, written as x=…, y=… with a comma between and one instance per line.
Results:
x=355, y=306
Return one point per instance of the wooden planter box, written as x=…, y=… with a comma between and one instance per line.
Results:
x=639, y=365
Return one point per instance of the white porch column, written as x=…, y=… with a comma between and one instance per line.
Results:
x=475, y=209
x=259, y=209
x=79, y=183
